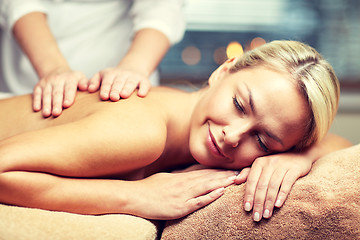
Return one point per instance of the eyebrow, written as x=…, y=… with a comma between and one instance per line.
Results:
x=253, y=109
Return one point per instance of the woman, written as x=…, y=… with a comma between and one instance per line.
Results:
x=271, y=109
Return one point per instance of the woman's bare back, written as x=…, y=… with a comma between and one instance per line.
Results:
x=17, y=115
x=96, y=138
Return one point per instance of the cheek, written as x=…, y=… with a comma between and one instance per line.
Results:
x=197, y=141
x=246, y=155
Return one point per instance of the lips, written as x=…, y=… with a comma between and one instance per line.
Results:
x=212, y=145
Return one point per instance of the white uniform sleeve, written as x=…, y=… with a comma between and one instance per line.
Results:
x=166, y=16
x=12, y=10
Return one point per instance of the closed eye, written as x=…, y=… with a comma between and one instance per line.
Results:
x=261, y=144
x=239, y=106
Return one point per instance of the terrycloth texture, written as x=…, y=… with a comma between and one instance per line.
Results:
x=325, y=204
x=26, y=223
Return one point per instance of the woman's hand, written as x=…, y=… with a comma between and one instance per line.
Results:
x=174, y=195
x=57, y=90
x=117, y=83
x=269, y=181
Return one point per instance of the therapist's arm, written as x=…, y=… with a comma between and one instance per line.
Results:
x=58, y=83
x=148, y=48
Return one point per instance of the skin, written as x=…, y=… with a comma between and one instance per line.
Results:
x=58, y=82
x=80, y=163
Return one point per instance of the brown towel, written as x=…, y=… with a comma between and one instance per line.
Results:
x=325, y=204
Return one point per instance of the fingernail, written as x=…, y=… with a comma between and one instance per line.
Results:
x=46, y=112
x=247, y=206
x=256, y=216
x=266, y=213
x=278, y=203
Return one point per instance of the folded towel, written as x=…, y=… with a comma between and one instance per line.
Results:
x=28, y=223
x=325, y=204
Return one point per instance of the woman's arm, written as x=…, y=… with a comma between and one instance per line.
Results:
x=161, y=196
x=270, y=178
x=58, y=83
x=57, y=169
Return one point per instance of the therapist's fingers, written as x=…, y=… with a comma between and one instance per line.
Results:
x=84, y=83
x=107, y=81
x=57, y=98
x=117, y=83
x=116, y=87
x=131, y=83
x=94, y=83
x=46, y=100
x=144, y=87
x=69, y=91
x=37, y=98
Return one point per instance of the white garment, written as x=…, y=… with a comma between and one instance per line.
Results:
x=91, y=34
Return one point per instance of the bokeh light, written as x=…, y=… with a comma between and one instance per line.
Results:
x=220, y=55
x=234, y=49
x=191, y=55
x=257, y=42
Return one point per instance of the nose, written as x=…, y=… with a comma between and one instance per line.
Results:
x=235, y=133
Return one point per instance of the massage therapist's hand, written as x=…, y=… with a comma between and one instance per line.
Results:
x=173, y=195
x=56, y=90
x=269, y=181
x=119, y=82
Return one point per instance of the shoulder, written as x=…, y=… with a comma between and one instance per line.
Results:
x=133, y=126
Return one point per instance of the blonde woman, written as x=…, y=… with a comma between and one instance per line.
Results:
x=269, y=109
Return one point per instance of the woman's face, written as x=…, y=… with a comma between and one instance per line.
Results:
x=245, y=115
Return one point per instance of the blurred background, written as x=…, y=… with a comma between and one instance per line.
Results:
x=218, y=29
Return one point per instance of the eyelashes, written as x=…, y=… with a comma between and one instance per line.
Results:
x=262, y=145
x=241, y=109
x=239, y=106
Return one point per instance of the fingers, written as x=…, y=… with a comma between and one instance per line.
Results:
x=242, y=176
x=46, y=101
x=214, y=180
x=268, y=185
x=266, y=193
x=84, y=84
x=94, y=83
x=106, y=84
x=208, y=186
x=267, y=199
x=201, y=201
x=118, y=83
x=285, y=188
x=251, y=184
x=37, y=96
x=144, y=88
x=69, y=92
x=55, y=92
x=55, y=99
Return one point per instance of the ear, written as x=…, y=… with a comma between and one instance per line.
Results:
x=222, y=70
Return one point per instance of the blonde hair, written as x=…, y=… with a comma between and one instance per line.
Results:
x=314, y=76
